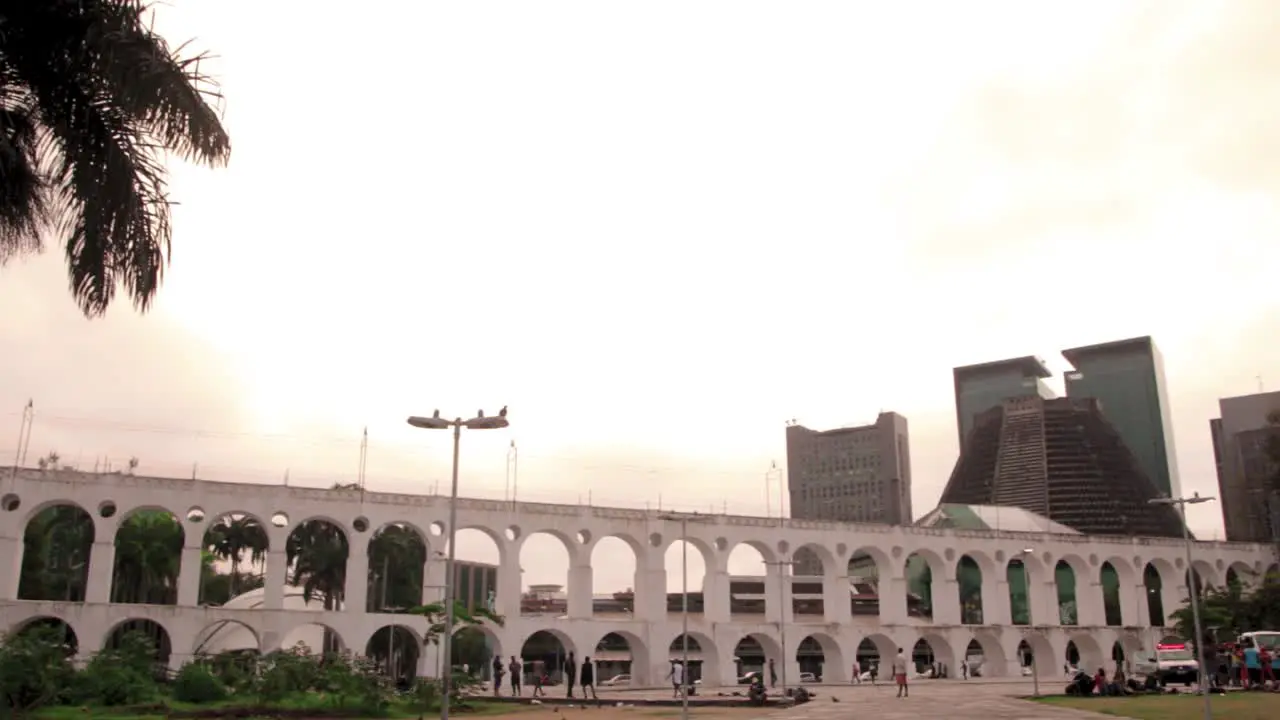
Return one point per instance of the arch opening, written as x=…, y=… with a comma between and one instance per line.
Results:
x=753, y=583
x=704, y=662
x=316, y=552
x=239, y=543
x=864, y=569
x=475, y=574
x=621, y=653
x=545, y=653
x=686, y=563
x=395, y=649
x=1018, y=577
x=875, y=652
x=1110, y=582
x=52, y=630
x=808, y=581
x=135, y=638
x=756, y=652
x=1036, y=656
x=1065, y=579
x=56, y=547
x=1154, y=584
x=820, y=659
x=397, y=560
x=918, y=570
x=984, y=657
x=313, y=639
x=932, y=657
x=477, y=648
x=545, y=564
x=148, y=558
x=614, y=578
x=969, y=584
x=1085, y=653
x=226, y=636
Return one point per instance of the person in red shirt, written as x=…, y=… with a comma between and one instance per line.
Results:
x=1100, y=682
x=1244, y=669
x=1264, y=660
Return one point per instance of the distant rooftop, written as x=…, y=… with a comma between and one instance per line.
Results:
x=1028, y=365
x=1074, y=355
x=991, y=517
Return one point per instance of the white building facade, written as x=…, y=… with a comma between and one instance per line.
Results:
x=650, y=630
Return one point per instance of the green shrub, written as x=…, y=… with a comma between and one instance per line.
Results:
x=196, y=683
x=35, y=669
x=123, y=675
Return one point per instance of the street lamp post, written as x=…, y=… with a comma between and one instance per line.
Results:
x=783, y=581
x=435, y=422
x=684, y=520
x=1182, y=504
x=1026, y=583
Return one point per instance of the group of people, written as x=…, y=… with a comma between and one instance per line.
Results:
x=583, y=677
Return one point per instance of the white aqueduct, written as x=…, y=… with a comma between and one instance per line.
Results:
x=651, y=629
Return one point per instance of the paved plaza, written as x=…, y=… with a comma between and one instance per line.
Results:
x=930, y=699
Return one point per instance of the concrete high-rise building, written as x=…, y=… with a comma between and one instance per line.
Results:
x=984, y=386
x=1126, y=377
x=854, y=474
x=1250, y=505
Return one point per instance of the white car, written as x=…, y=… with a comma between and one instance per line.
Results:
x=623, y=679
x=807, y=677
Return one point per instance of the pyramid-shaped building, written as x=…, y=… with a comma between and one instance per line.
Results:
x=1059, y=458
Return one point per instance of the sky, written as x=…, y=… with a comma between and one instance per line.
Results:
x=657, y=231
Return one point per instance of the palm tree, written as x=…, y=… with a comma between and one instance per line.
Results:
x=91, y=98
x=231, y=537
x=55, y=560
x=317, y=555
x=396, y=557
x=148, y=559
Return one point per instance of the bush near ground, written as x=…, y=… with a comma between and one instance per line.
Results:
x=37, y=675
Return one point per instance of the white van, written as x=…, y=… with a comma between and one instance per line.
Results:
x=1170, y=663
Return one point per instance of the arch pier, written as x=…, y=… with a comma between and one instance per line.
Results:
x=946, y=595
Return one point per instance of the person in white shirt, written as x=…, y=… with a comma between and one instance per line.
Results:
x=677, y=678
x=900, y=674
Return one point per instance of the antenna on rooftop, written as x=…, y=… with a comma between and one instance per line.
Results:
x=1260, y=388
x=364, y=456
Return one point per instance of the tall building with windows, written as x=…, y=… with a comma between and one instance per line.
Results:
x=984, y=386
x=1242, y=438
x=1126, y=377
x=853, y=474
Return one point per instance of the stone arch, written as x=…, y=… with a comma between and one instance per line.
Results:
x=813, y=559
x=397, y=649
x=973, y=571
x=397, y=554
x=548, y=646
x=1073, y=580
x=57, y=548
x=461, y=637
x=866, y=566
x=830, y=666
x=1131, y=644
x=223, y=636
x=941, y=649
x=880, y=563
x=153, y=531
x=1032, y=648
x=1023, y=573
x=876, y=651
x=327, y=545
x=769, y=650
x=611, y=660
x=38, y=508
x=1092, y=655
x=768, y=553
x=924, y=578
x=156, y=631
x=571, y=545
x=230, y=536
x=1209, y=576
x=69, y=635
x=704, y=662
x=1240, y=573
x=1160, y=579
x=1110, y=583
x=994, y=663
x=500, y=542
x=318, y=637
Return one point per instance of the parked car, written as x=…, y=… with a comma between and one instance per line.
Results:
x=618, y=680
x=808, y=677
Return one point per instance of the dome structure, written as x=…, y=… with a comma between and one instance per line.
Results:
x=229, y=636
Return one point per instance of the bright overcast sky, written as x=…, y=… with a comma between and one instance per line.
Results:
x=658, y=230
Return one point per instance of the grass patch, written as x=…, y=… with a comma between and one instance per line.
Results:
x=1236, y=706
